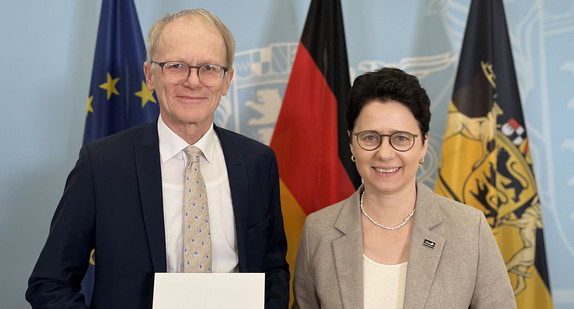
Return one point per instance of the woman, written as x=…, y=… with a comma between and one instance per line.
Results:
x=394, y=243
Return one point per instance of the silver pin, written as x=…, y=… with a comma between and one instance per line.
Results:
x=429, y=243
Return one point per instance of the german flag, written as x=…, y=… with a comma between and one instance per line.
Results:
x=310, y=137
x=486, y=160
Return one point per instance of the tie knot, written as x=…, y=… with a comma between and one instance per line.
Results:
x=192, y=153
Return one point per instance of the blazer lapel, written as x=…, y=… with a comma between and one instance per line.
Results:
x=348, y=253
x=239, y=185
x=148, y=170
x=425, y=249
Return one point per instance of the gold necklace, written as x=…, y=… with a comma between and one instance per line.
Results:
x=391, y=228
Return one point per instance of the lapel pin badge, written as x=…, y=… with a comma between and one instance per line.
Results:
x=429, y=243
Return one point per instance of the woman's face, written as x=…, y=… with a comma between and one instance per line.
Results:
x=386, y=170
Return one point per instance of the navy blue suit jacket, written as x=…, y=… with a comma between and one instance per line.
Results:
x=113, y=202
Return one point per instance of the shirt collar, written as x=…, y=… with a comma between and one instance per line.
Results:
x=171, y=145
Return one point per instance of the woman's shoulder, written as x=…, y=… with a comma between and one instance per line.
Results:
x=332, y=222
x=342, y=212
x=457, y=208
x=449, y=206
x=326, y=214
x=460, y=219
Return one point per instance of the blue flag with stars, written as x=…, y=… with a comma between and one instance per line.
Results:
x=118, y=98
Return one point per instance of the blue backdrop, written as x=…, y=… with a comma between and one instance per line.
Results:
x=47, y=51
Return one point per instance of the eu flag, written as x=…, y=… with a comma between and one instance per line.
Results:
x=119, y=98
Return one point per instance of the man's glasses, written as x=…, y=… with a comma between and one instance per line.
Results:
x=178, y=72
x=400, y=140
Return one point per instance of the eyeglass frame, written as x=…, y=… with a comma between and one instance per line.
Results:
x=381, y=139
x=189, y=67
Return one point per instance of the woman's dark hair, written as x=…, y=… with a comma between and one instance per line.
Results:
x=389, y=84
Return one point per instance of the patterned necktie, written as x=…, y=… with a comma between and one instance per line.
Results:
x=196, y=233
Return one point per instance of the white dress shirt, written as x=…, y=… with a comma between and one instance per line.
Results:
x=221, y=217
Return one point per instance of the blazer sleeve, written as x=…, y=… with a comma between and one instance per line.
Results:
x=56, y=279
x=493, y=288
x=277, y=269
x=303, y=280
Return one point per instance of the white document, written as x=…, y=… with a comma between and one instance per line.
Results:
x=209, y=290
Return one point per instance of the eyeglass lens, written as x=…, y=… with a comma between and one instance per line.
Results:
x=178, y=72
x=371, y=140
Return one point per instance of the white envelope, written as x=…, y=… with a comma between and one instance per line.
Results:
x=209, y=290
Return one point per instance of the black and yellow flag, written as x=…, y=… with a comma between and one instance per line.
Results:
x=486, y=160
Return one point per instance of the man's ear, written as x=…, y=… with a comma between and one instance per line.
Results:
x=227, y=80
x=148, y=76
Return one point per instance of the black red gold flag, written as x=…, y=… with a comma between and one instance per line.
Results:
x=310, y=137
x=486, y=160
x=118, y=98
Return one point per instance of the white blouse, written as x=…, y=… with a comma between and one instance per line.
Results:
x=383, y=285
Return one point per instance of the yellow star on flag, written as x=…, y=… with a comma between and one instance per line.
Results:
x=145, y=94
x=110, y=86
x=89, y=108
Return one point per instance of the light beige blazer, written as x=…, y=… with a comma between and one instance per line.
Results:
x=454, y=261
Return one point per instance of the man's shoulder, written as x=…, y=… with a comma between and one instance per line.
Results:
x=124, y=139
x=240, y=141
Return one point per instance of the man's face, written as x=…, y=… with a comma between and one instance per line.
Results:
x=194, y=42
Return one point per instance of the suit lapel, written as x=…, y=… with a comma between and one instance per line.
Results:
x=425, y=249
x=148, y=170
x=348, y=253
x=239, y=185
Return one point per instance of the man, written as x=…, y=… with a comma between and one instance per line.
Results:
x=124, y=196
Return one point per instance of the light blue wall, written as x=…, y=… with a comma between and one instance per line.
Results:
x=46, y=54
